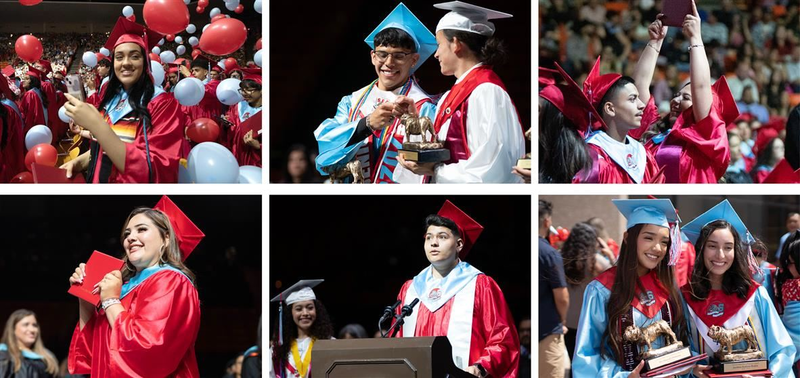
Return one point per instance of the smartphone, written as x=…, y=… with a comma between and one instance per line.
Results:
x=75, y=86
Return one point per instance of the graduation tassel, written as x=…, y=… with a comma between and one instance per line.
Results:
x=752, y=263
x=675, y=246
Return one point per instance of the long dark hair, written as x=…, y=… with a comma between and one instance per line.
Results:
x=791, y=248
x=489, y=50
x=321, y=329
x=578, y=253
x=36, y=83
x=171, y=254
x=624, y=290
x=139, y=95
x=765, y=156
x=735, y=280
x=562, y=151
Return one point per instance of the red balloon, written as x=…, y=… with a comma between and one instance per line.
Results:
x=230, y=62
x=239, y=9
x=258, y=44
x=44, y=154
x=218, y=17
x=29, y=3
x=132, y=18
x=195, y=53
x=202, y=3
x=170, y=37
x=202, y=130
x=166, y=16
x=22, y=178
x=200, y=9
x=223, y=37
x=28, y=48
x=155, y=57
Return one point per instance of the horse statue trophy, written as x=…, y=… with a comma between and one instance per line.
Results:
x=418, y=146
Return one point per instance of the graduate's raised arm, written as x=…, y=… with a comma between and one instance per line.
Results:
x=646, y=66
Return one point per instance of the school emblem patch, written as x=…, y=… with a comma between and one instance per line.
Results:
x=435, y=294
x=716, y=309
x=647, y=298
x=630, y=161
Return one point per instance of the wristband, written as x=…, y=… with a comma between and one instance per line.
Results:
x=109, y=302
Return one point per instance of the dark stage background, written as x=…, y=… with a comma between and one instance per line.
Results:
x=366, y=252
x=318, y=55
x=46, y=237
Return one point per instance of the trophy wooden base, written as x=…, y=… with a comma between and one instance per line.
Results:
x=679, y=367
x=659, y=358
x=524, y=164
x=742, y=366
x=426, y=156
x=760, y=373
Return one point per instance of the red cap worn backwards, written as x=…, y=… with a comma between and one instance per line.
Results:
x=571, y=101
x=186, y=232
x=252, y=74
x=467, y=227
x=102, y=57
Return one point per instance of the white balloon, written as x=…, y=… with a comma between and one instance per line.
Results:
x=231, y=5
x=227, y=16
x=191, y=29
x=178, y=40
x=158, y=73
x=250, y=174
x=205, y=27
x=221, y=64
x=214, y=12
x=105, y=51
x=37, y=135
x=156, y=50
x=209, y=162
x=187, y=2
x=181, y=50
x=127, y=11
x=189, y=91
x=161, y=42
x=257, y=6
x=167, y=57
x=89, y=59
x=228, y=91
x=62, y=115
x=257, y=58
x=193, y=41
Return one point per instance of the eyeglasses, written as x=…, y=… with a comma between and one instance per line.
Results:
x=397, y=56
x=248, y=91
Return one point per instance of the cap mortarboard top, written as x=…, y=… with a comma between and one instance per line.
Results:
x=659, y=212
x=469, y=18
x=301, y=291
x=402, y=18
x=467, y=227
x=186, y=231
x=722, y=210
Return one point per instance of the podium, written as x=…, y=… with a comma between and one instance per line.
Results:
x=405, y=357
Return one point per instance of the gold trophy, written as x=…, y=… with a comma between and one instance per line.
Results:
x=424, y=151
x=737, y=361
x=670, y=355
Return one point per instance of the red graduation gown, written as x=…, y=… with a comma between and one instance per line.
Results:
x=494, y=342
x=244, y=154
x=153, y=337
x=31, y=108
x=57, y=127
x=12, y=156
x=209, y=107
x=165, y=141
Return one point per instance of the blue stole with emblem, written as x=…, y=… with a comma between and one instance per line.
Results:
x=446, y=288
x=140, y=277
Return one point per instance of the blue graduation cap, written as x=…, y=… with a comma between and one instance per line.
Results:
x=659, y=212
x=402, y=18
x=722, y=210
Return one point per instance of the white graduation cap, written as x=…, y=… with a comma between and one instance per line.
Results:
x=469, y=18
x=301, y=291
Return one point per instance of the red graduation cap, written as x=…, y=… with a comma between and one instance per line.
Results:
x=467, y=227
x=9, y=71
x=32, y=71
x=596, y=85
x=783, y=174
x=233, y=67
x=217, y=68
x=765, y=135
x=46, y=66
x=173, y=68
x=128, y=31
x=102, y=57
x=252, y=74
x=571, y=101
x=186, y=232
x=548, y=76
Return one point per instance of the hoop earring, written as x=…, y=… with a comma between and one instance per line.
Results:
x=161, y=259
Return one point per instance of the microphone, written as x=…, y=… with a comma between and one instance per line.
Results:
x=408, y=309
x=388, y=311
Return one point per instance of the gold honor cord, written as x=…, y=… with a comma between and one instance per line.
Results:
x=302, y=364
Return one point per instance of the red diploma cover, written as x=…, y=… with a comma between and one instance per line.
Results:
x=252, y=123
x=43, y=174
x=97, y=267
x=675, y=11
